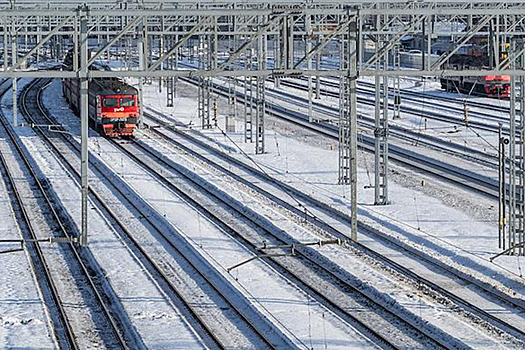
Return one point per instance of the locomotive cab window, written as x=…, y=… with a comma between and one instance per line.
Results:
x=127, y=102
x=110, y=102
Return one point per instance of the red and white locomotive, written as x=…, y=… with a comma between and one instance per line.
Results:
x=491, y=86
x=113, y=104
x=475, y=57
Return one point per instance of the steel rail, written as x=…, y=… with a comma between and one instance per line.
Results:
x=414, y=111
x=464, y=178
x=417, y=94
x=68, y=332
x=70, y=338
x=417, y=98
x=323, y=225
x=400, y=132
x=123, y=227
x=209, y=212
x=84, y=268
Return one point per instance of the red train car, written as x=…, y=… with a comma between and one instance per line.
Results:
x=113, y=105
x=497, y=86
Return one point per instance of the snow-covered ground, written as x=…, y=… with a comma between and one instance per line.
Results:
x=23, y=318
x=439, y=219
x=420, y=215
x=417, y=212
x=274, y=296
x=24, y=321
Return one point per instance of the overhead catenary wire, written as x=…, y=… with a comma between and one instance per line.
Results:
x=285, y=190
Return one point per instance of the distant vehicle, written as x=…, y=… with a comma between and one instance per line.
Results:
x=113, y=104
x=418, y=52
x=491, y=86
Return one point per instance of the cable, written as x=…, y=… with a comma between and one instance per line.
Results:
x=275, y=181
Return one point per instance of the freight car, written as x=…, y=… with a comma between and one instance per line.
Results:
x=113, y=105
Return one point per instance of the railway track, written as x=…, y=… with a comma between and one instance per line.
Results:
x=453, y=174
x=311, y=270
x=460, y=101
x=397, y=131
x=444, y=278
x=429, y=109
x=84, y=295
x=210, y=325
x=426, y=111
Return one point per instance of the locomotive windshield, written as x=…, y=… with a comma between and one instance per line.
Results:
x=127, y=102
x=110, y=102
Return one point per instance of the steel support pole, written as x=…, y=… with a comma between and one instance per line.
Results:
x=308, y=29
x=284, y=42
x=318, y=78
x=260, y=95
x=377, y=144
x=497, y=40
x=352, y=99
x=39, y=38
x=84, y=89
x=423, y=48
x=360, y=43
x=344, y=122
x=290, y=46
x=277, y=57
x=52, y=40
x=516, y=155
x=512, y=156
x=15, y=85
x=140, y=37
x=203, y=93
x=429, y=41
x=214, y=44
x=169, y=80
x=75, y=44
x=383, y=136
x=6, y=46
x=145, y=45
x=501, y=187
x=175, y=66
x=381, y=124
x=108, y=53
x=161, y=49
x=248, y=101
x=397, y=83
